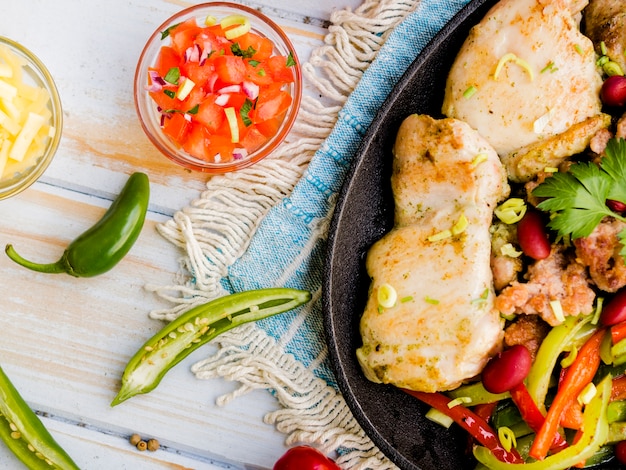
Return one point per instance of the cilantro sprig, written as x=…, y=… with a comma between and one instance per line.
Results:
x=577, y=199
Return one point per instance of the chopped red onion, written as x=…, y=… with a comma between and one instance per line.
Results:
x=211, y=82
x=230, y=89
x=192, y=54
x=250, y=89
x=240, y=153
x=222, y=100
x=156, y=82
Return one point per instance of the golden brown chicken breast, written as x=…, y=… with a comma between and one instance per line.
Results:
x=526, y=79
x=429, y=323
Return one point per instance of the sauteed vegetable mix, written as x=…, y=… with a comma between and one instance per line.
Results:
x=566, y=407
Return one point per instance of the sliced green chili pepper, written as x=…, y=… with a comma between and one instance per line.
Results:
x=102, y=246
x=196, y=327
x=594, y=436
x=24, y=433
x=552, y=346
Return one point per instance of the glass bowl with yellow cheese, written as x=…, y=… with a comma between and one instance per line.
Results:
x=30, y=118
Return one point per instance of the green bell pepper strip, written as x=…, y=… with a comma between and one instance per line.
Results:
x=596, y=431
x=102, y=246
x=24, y=433
x=198, y=326
x=477, y=394
x=559, y=337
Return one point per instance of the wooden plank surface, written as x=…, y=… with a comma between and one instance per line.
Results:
x=67, y=340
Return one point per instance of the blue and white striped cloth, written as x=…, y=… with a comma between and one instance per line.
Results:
x=288, y=249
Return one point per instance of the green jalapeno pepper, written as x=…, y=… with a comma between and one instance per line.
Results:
x=196, y=327
x=24, y=433
x=103, y=245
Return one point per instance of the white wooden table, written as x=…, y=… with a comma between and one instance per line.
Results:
x=65, y=341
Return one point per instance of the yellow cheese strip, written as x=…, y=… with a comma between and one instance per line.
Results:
x=25, y=119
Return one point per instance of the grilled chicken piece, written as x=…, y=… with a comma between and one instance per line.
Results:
x=605, y=21
x=443, y=327
x=526, y=79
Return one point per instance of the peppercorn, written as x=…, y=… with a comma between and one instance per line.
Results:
x=134, y=439
x=153, y=445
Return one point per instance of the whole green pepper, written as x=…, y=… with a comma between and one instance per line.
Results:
x=101, y=247
x=24, y=433
x=196, y=327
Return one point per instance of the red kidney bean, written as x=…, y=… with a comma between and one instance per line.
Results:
x=507, y=369
x=620, y=452
x=533, y=236
x=613, y=91
x=614, y=311
x=616, y=206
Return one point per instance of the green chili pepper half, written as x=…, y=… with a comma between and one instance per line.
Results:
x=101, y=247
x=198, y=326
x=24, y=433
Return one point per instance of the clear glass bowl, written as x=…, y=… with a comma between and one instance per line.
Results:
x=150, y=116
x=16, y=178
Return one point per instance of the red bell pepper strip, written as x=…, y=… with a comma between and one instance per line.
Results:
x=578, y=375
x=618, y=390
x=572, y=416
x=485, y=410
x=618, y=332
x=532, y=415
x=471, y=422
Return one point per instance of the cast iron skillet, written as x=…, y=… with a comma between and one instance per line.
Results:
x=364, y=213
x=393, y=420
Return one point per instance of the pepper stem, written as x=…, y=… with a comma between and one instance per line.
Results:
x=58, y=267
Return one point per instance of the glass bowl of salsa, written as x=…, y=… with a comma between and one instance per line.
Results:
x=217, y=87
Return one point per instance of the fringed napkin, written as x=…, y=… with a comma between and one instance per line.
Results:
x=267, y=225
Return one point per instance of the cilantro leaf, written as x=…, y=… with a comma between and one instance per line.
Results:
x=244, y=112
x=577, y=199
x=237, y=50
x=615, y=165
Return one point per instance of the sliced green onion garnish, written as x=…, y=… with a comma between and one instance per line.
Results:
x=231, y=117
x=241, y=26
x=387, y=296
x=511, y=211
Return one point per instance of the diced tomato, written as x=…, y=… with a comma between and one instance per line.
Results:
x=221, y=144
x=210, y=114
x=176, y=127
x=277, y=66
x=183, y=35
x=258, y=74
x=253, y=139
x=236, y=100
x=202, y=75
x=230, y=69
x=163, y=100
x=197, y=142
x=262, y=46
x=270, y=127
x=195, y=97
x=274, y=102
x=217, y=30
x=167, y=59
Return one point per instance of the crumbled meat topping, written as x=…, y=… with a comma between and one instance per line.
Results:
x=558, y=277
